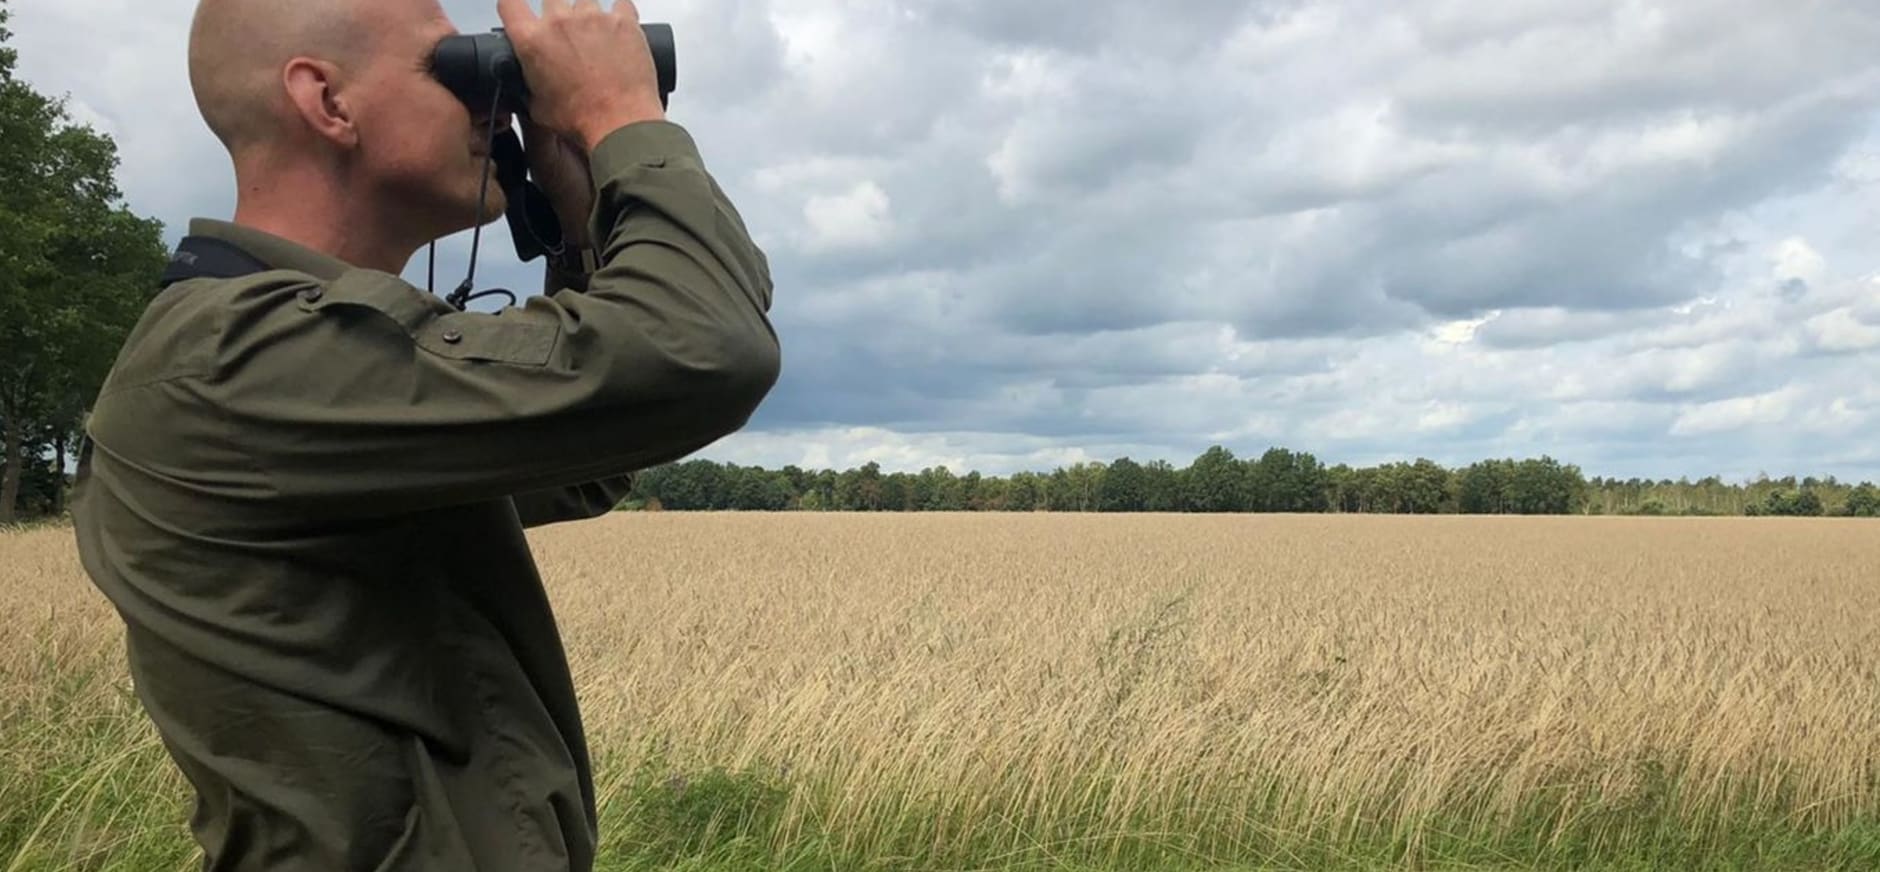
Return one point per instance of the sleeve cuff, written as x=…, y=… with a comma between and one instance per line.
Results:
x=629, y=149
x=642, y=143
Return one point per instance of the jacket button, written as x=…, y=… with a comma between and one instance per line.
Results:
x=453, y=336
x=312, y=295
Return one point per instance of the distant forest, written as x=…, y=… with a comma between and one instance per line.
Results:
x=1280, y=480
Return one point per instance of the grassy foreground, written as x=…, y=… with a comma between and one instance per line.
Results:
x=1119, y=693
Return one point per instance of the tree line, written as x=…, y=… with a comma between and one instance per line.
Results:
x=1279, y=480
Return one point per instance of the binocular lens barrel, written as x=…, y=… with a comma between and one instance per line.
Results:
x=472, y=67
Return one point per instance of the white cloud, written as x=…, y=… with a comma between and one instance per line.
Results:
x=1840, y=330
x=1841, y=417
x=1796, y=259
x=1632, y=235
x=1735, y=414
x=1861, y=167
x=1439, y=416
x=858, y=217
x=960, y=452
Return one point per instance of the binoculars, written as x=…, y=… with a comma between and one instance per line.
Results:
x=474, y=66
x=483, y=71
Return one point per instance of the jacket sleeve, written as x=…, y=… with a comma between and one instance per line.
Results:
x=578, y=502
x=575, y=502
x=369, y=396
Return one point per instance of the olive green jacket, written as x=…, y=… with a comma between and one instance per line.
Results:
x=305, y=490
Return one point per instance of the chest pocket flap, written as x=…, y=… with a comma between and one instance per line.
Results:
x=509, y=336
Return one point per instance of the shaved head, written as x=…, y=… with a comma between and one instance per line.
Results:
x=342, y=137
x=237, y=49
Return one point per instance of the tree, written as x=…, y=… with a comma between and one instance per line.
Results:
x=859, y=490
x=1863, y=502
x=1026, y=492
x=694, y=485
x=1079, y=486
x=1162, y=489
x=936, y=489
x=1341, y=488
x=1284, y=481
x=991, y=494
x=897, y=492
x=1215, y=482
x=755, y=489
x=76, y=268
x=800, y=479
x=1482, y=488
x=1545, y=487
x=1790, y=503
x=1125, y=488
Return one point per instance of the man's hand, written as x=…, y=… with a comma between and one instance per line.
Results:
x=590, y=71
x=560, y=167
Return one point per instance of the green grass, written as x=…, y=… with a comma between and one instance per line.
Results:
x=84, y=785
x=84, y=782
x=718, y=820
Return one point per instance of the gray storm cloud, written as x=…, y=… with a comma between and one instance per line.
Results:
x=1620, y=232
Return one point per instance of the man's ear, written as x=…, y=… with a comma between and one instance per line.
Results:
x=313, y=88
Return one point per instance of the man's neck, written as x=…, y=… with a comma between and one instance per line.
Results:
x=308, y=208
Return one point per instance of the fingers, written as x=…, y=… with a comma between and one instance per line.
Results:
x=564, y=7
x=515, y=13
x=626, y=8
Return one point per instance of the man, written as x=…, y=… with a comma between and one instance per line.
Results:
x=305, y=487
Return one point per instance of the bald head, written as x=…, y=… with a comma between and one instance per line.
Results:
x=237, y=49
x=342, y=139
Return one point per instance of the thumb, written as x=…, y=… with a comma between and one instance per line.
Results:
x=533, y=133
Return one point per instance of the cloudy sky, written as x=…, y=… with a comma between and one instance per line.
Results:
x=1639, y=236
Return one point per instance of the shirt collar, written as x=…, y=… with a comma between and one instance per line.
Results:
x=275, y=251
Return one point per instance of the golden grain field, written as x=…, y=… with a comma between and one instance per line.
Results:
x=963, y=685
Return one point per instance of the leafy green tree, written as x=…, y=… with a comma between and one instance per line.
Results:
x=1863, y=502
x=860, y=490
x=1365, y=490
x=1341, y=488
x=936, y=489
x=1084, y=482
x=1482, y=488
x=1787, y=502
x=822, y=485
x=800, y=479
x=969, y=495
x=1285, y=481
x=991, y=494
x=1419, y=488
x=1281, y=479
x=897, y=492
x=754, y=489
x=76, y=268
x=694, y=485
x=1125, y=487
x=1215, y=482
x=1544, y=487
x=1026, y=492
x=1161, y=487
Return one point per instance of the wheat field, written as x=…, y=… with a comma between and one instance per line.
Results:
x=959, y=691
